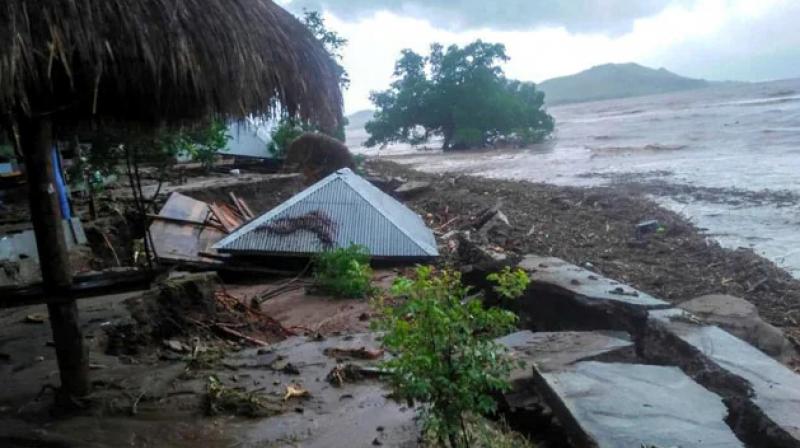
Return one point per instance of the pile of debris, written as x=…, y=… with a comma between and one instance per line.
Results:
x=186, y=307
x=185, y=228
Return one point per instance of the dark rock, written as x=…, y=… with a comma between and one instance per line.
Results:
x=740, y=318
x=646, y=227
x=496, y=221
x=411, y=189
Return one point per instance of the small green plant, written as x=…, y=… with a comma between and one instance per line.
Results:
x=445, y=355
x=510, y=284
x=485, y=433
x=344, y=272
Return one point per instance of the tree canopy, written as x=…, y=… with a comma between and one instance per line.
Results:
x=290, y=127
x=461, y=95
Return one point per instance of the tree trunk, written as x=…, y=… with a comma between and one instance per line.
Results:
x=73, y=360
x=448, y=137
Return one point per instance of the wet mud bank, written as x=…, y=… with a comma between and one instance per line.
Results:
x=596, y=228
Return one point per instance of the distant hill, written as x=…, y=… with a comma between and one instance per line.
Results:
x=359, y=119
x=615, y=81
x=355, y=132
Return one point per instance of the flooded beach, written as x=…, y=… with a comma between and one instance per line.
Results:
x=725, y=157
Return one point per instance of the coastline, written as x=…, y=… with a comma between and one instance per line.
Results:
x=596, y=227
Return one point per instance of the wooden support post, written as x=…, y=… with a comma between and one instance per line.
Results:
x=73, y=358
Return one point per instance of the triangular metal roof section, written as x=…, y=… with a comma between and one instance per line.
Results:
x=351, y=208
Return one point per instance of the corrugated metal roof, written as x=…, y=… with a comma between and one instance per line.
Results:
x=343, y=207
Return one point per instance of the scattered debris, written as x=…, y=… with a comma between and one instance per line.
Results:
x=350, y=373
x=620, y=291
x=295, y=391
x=316, y=221
x=353, y=353
x=225, y=400
x=235, y=334
x=647, y=227
x=176, y=346
x=36, y=318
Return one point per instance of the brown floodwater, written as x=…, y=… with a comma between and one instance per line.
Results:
x=728, y=158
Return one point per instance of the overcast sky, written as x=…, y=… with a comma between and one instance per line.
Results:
x=749, y=40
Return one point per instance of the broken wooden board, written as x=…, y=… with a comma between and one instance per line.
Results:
x=185, y=233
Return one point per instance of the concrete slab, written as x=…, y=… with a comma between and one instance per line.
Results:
x=565, y=297
x=547, y=351
x=634, y=405
x=585, y=284
x=764, y=392
x=550, y=351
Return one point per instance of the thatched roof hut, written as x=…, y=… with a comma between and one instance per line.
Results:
x=66, y=62
x=162, y=60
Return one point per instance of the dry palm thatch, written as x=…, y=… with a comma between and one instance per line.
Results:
x=161, y=61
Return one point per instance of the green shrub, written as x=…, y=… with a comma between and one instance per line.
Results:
x=287, y=130
x=445, y=355
x=510, y=284
x=201, y=144
x=344, y=272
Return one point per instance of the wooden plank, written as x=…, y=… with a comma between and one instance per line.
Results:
x=183, y=207
x=185, y=221
x=223, y=219
x=243, y=211
x=246, y=208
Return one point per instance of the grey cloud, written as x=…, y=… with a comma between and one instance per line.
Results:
x=585, y=16
x=763, y=48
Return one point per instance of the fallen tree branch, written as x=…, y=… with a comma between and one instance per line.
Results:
x=236, y=334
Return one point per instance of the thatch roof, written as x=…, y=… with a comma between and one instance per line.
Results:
x=162, y=60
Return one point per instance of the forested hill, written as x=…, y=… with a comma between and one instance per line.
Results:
x=610, y=81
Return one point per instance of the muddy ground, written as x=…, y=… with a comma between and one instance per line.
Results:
x=596, y=228
x=591, y=227
x=153, y=354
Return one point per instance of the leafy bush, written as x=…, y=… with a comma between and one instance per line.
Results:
x=201, y=144
x=344, y=272
x=445, y=356
x=210, y=140
x=287, y=130
x=510, y=284
x=6, y=152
